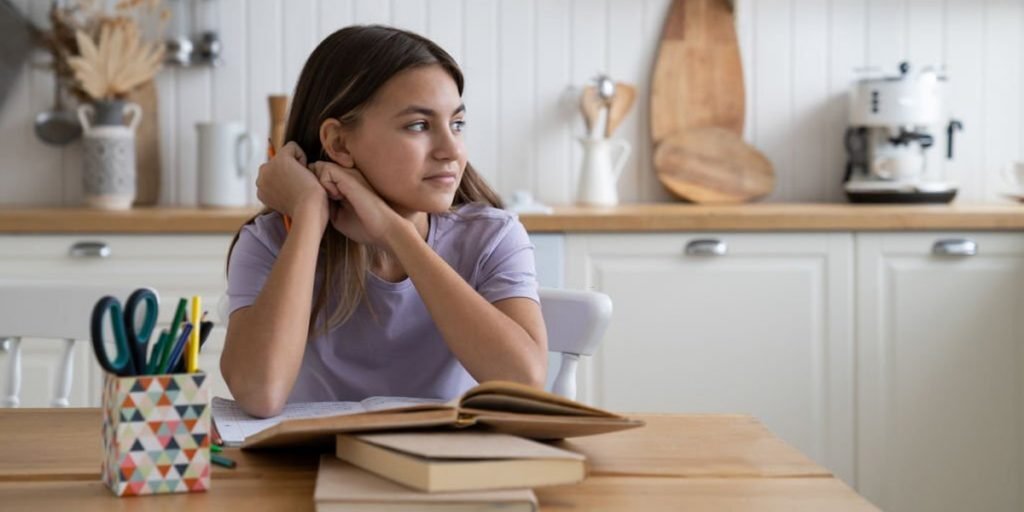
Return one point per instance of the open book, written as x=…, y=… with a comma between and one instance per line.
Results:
x=497, y=406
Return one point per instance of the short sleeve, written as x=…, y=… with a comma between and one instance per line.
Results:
x=508, y=269
x=249, y=265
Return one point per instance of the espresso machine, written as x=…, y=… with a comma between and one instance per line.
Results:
x=891, y=139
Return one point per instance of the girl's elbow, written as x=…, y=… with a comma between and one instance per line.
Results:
x=261, y=401
x=536, y=375
x=262, y=407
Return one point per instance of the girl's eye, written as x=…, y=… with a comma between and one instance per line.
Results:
x=418, y=126
x=459, y=126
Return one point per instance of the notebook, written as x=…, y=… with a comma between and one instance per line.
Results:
x=500, y=406
x=342, y=487
x=461, y=460
x=235, y=426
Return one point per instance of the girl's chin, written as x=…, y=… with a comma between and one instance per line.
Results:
x=433, y=204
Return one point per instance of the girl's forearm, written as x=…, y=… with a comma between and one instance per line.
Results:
x=264, y=347
x=488, y=343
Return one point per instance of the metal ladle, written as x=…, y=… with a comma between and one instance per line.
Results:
x=58, y=126
x=605, y=88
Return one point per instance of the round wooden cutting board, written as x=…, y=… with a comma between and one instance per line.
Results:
x=712, y=165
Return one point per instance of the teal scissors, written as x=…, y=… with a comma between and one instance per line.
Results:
x=131, y=342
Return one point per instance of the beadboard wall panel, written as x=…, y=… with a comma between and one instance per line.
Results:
x=526, y=60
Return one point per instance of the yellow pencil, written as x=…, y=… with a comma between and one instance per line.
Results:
x=192, y=361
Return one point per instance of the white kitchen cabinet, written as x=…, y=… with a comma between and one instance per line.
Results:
x=727, y=323
x=941, y=371
x=176, y=266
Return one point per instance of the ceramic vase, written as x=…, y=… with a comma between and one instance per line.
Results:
x=108, y=167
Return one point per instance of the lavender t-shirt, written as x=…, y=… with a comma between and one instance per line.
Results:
x=400, y=352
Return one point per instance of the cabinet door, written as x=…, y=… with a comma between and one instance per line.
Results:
x=941, y=372
x=762, y=329
x=176, y=266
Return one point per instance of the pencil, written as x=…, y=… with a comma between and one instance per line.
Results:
x=270, y=154
x=192, y=361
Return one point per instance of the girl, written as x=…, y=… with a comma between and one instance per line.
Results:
x=399, y=275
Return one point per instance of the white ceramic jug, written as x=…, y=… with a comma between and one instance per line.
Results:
x=599, y=174
x=225, y=152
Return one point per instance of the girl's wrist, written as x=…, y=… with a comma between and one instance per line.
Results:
x=312, y=210
x=399, y=233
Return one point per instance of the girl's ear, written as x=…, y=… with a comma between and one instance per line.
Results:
x=334, y=140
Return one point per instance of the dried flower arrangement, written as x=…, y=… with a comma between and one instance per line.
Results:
x=103, y=56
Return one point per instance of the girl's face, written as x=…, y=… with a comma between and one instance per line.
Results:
x=408, y=142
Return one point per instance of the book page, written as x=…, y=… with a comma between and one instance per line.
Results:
x=381, y=403
x=234, y=425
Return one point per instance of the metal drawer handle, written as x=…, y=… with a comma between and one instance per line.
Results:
x=955, y=247
x=89, y=250
x=706, y=247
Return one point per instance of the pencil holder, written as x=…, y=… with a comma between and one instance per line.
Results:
x=156, y=434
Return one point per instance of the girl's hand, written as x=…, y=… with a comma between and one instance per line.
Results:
x=285, y=184
x=362, y=214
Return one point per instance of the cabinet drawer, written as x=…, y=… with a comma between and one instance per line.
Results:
x=176, y=266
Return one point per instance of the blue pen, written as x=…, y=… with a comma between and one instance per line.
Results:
x=179, y=348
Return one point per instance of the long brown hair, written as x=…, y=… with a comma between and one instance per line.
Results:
x=340, y=77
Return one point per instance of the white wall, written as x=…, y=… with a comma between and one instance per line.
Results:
x=525, y=59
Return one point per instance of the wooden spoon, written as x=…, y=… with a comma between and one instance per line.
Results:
x=591, y=105
x=712, y=165
x=625, y=95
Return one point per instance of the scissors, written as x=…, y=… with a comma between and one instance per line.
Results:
x=131, y=343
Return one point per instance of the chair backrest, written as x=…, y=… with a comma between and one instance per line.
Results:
x=49, y=311
x=576, y=322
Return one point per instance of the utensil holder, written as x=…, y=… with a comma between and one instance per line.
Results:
x=156, y=434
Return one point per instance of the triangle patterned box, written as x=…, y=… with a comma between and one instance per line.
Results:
x=156, y=434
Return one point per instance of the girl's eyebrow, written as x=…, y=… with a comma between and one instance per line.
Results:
x=416, y=109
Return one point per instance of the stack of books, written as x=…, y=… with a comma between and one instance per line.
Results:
x=461, y=470
x=480, y=451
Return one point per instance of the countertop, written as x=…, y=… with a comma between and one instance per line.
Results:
x=639, y=217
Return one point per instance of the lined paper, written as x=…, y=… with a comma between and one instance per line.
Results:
x=234, y=425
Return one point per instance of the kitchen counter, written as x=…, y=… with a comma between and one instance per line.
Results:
x=640, y=217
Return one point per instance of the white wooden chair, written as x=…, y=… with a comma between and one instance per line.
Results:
x=576, y=322
x=48, y=311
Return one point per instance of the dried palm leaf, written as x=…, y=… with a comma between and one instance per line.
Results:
x=117, y=63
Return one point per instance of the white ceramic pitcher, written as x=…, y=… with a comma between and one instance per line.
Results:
x=599, y=174
x=225, y=152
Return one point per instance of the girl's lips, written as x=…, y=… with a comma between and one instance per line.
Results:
x=441, y=179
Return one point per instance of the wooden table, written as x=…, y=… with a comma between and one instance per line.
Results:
x=50, y=460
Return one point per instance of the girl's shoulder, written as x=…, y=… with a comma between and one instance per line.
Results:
x=268, y=229
x=476, y=216
x=481, y=223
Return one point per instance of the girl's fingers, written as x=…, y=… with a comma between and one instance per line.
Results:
x=328, y=178
x=292, y=150
x=342, y=177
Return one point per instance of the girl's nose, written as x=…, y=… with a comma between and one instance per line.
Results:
x=448, y=145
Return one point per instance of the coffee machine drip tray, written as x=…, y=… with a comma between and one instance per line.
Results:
x=865, y=191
